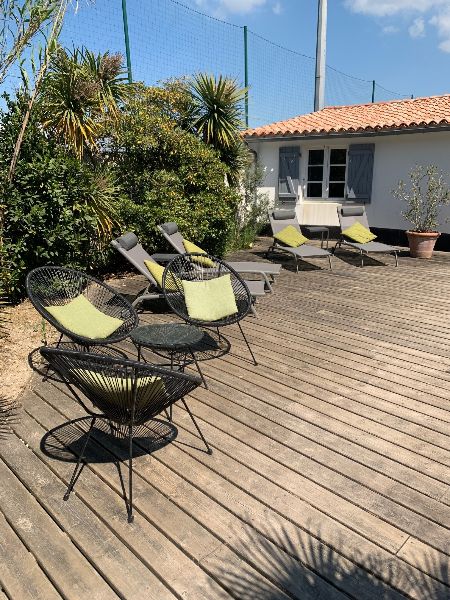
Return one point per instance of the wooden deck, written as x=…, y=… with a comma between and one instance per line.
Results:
x=330, y=473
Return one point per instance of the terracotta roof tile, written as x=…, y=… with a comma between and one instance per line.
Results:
x=432, y=111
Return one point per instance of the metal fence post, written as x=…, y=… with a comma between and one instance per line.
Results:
x=127, y=39
x=246, y=73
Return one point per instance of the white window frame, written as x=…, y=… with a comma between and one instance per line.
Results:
x=326, y=173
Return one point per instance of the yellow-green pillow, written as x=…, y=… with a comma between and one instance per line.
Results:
x=82, y=318
x=117, y=389
x=291, y=237
x=358, y=233
x=190, y=248
x=156, y=270
x=210, y=300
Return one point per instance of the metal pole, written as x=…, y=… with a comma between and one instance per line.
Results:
x=321, y=49
x=127, y=39
x=373, y=90
x=246, y=73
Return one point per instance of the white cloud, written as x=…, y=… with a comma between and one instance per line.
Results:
x=416, y=12
x=390, y=29
x=385, y=8
x=277, y=8
x=417, y=28
x=223, y=7
x=441, y=21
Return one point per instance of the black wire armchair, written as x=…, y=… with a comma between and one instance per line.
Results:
x=49, y=287
x=127, y=395
x=204, y=267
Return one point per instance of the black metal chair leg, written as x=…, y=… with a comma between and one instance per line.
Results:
x=209, y=450
x=45, y=377
x=130, y=476
x=248, y=345
x=77, y=471
x=199, y=370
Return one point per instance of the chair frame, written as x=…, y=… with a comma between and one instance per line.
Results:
x=63, y=362
x=120, y=309
x=361, y=218
x=191, y=270
x=296, y=253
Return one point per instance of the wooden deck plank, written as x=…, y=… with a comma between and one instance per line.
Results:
x=331, y=467
x=312, y=458
x=154, y=550
x=111, y=558
x=233, y=537
x=20, y=575
x=200, y=543
x=67, y=569
x=366, y=512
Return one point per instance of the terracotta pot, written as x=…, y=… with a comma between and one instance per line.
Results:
x=421, y=245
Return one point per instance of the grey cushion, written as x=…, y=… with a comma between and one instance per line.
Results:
x=352, y=211
x=128, y=240
x=170, y=228
x=279, y=215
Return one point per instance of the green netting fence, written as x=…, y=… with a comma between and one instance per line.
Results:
x=170, y=39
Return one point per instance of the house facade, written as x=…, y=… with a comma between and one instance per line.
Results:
x=349, y=154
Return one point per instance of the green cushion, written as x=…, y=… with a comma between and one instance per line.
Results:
x=291, y=237
x=190, y=247
x=117, y=389
x=210, y=300
x=82, y=318
x=172, y=282
x=156, y=270
x=358, y=233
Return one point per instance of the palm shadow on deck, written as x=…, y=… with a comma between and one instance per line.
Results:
x=299, y=565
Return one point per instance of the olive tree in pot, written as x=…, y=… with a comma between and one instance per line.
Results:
x=425, y=195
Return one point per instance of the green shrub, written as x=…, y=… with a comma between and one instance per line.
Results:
x=49, y=218
x=169, y=174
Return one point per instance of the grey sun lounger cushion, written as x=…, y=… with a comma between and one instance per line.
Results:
x=174, y=237
x=351, y=214
x=279, y=219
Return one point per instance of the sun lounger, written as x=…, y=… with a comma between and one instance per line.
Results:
x=128, y=245
x=267, y=271
x=348, y=215
x=279, y=219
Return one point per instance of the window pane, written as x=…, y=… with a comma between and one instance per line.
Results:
x=338, y=156
x=315, y=173
x=336, y=190
x=314, y=190
x=337, y=173
x=316, y=157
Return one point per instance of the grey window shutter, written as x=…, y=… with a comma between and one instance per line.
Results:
x=360, y=172
x=288, y=174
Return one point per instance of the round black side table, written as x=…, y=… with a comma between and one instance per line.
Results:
x=169, y=339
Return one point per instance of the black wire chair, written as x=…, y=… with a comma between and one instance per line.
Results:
x=56, y=286
x=187, y=267
x=127, y=393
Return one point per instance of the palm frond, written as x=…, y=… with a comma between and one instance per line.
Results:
x=218, y=113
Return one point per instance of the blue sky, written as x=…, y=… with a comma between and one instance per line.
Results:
x=403, y=44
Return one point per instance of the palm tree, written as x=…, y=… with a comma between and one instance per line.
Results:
x=80, y=90
x=217, y=116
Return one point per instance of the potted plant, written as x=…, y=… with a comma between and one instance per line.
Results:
x=425, y=195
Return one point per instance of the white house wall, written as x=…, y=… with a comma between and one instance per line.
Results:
x=394, y=157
